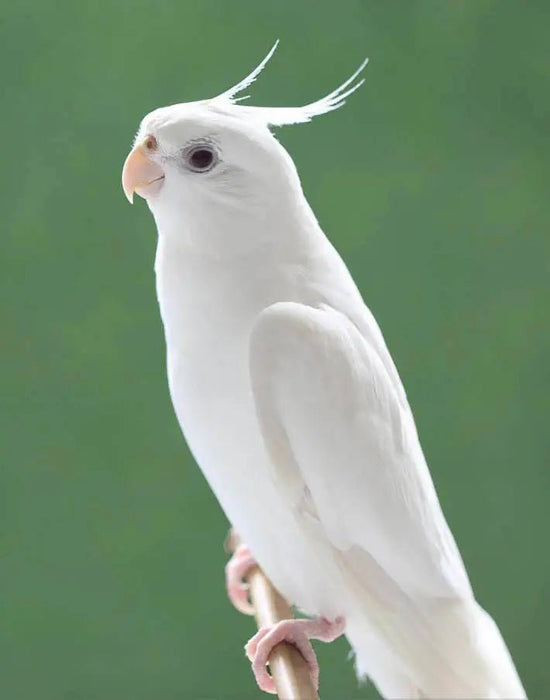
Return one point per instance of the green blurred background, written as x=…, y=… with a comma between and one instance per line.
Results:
x=433, y=184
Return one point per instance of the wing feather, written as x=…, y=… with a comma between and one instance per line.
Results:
x=338, y=432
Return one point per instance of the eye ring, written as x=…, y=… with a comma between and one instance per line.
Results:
x=200, y=158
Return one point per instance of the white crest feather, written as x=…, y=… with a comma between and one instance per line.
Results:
x=245, y=82
x=282, y=116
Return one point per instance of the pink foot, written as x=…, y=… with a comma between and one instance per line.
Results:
x=235, y=570
x=297, y=632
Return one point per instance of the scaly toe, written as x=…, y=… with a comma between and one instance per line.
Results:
x=236, y=568
x=252, y=644
x=262, y=644
x=238, y=595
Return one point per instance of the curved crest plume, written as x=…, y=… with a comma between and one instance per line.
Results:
x=282, y=116
x=245, y=82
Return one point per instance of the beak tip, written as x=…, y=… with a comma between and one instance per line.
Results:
x=127, y=189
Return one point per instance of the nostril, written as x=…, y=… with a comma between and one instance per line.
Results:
x=151, y=143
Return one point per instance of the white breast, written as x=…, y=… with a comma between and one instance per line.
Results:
x=207, y=355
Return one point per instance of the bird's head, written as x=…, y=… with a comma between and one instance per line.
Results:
x=217, y=154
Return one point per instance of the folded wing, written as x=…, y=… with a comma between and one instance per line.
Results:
x=343, y=443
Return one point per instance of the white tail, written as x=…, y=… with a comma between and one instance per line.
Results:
x=446, y=649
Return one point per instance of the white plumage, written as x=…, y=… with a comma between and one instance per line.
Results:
x=293, y=408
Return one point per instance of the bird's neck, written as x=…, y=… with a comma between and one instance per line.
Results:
x=222, y=272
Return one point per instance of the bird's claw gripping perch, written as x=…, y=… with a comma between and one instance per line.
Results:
x=296, y=632
x=236, y=569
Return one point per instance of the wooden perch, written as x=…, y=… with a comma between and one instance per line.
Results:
x=288, y=667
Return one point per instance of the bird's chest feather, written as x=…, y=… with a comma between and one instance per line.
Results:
x=208, y=310
x=207, y=322
x=214, y=404
x=211, y=391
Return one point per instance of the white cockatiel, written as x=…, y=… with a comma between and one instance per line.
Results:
x=293, y=408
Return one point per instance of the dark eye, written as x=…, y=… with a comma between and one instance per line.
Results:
x=200, y=159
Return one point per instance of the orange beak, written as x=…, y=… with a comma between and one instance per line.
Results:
x=140, y=174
